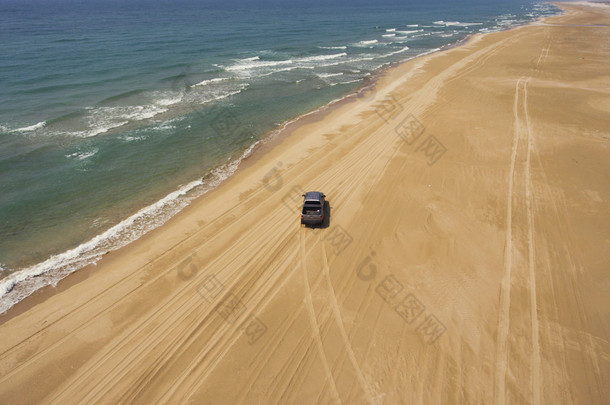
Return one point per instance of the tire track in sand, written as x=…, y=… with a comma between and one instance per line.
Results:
x=535, y=376
x=522, y=128
x=314, y=323
x=504, y=315
x=339, y=320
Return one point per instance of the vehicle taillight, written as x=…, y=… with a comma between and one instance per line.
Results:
x=301, y=216
x=320, y=216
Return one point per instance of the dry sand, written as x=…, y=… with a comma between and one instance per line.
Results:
x=466, y=259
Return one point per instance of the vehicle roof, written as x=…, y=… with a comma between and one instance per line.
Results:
x=313, y=196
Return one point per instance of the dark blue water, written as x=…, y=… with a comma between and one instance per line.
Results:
x=114, y=115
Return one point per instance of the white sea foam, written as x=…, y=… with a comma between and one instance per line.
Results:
x=333, y=47
x=274, y=71
x=366, y=43
x=507, y=22
x=165, y=126
x=99, y=125
x=348, y=82
x=429, y=52
x=327, y=75
x=30, y=128
x=248, y=64
x=101, y=120
x=390, y=29
x=456, y=23
x=251, y=59
x=488, y=30
x=211, y=81
x=406, y=48
x=221, y=94
x=83, y=155
x=360, y=62
x=408, y=32
x=388, y=35
x=139, y=113
x=321, y=57
x=252, y=67
x=166, y=102
x=133, y=138
x=6, y=286
x=412, y=25
x=315, y=62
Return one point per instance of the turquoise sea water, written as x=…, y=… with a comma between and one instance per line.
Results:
x=114, y=116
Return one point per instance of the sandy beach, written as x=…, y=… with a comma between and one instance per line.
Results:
x=465, y=260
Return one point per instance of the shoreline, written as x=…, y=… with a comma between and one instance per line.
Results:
x=253, y=153
x=257, y=151
x=249, y=156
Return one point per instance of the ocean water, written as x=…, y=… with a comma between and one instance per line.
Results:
x=115, y=115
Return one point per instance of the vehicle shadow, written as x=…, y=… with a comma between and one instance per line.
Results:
x=326, y=223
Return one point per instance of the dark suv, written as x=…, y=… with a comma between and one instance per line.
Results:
x=313, y=208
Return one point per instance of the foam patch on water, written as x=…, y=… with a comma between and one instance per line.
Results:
x=220, y=94
x=408, y=32
x=327, y=75
x=254, y=67
x=366, y=43
x=83, y=155
x=404, y=49
x=333, y=47
x=318, y=58
x=166, y=102
x=489, y=30
x=212, y=81
x=256, y=63
x=133, y=138
x=31, y=128
x=99, y=120
x=347, y=82
x=456, y=23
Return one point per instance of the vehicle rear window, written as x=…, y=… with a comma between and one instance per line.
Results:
x=311, y=208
